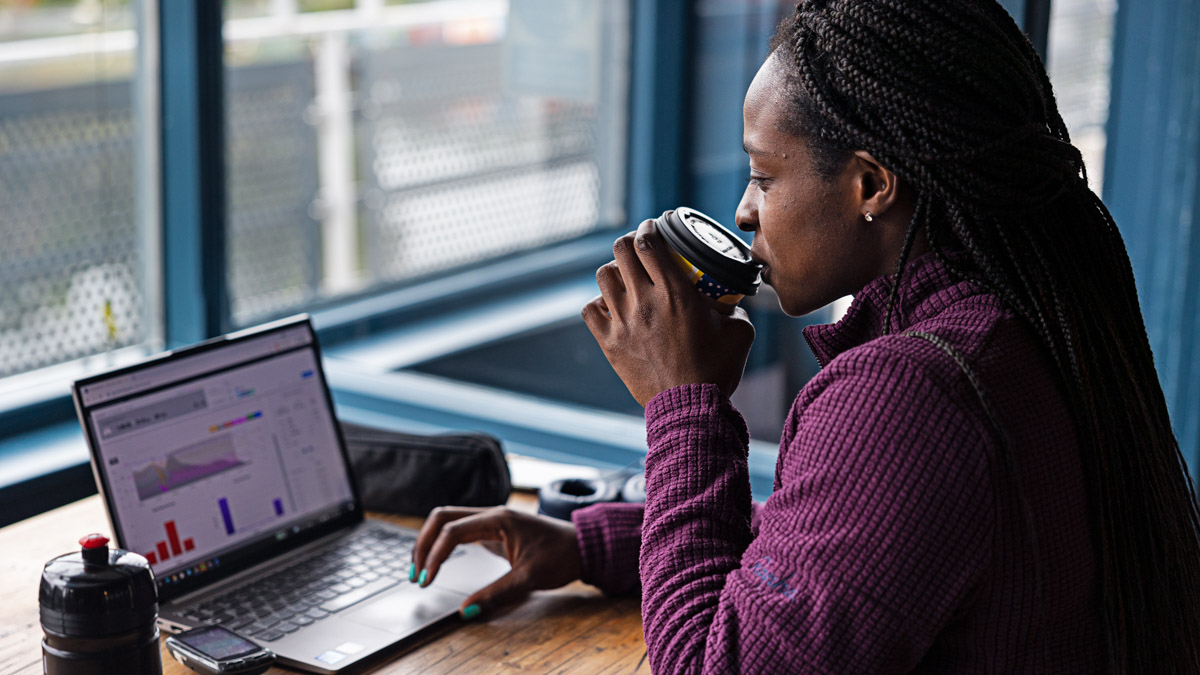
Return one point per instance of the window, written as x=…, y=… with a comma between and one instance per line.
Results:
x=76, y=276
x=374, y=143
x=369, y=144
x=1080, y=65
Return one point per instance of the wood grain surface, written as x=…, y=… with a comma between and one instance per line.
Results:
x=574, y=629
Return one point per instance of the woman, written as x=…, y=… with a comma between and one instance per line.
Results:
x=983, y=477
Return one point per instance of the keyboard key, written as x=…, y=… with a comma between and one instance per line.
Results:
x=269, y=636
x=238, y=623
x=261, y=625
x=343, y=601
x=366, y=562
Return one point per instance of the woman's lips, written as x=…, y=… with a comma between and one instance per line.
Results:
x=765, y=271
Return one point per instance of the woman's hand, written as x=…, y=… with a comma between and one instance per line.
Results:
x=543, y=551
x=656, y=329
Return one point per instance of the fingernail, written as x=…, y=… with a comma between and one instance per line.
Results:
x=412, y=572
x=470, y=612
x=424, y=575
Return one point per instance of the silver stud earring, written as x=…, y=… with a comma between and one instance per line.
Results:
x=869, y=216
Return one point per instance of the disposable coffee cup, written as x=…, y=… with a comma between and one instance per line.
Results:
x=715, y=260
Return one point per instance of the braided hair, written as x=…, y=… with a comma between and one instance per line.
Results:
x=951, y=96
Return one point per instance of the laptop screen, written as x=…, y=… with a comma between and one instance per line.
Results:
x=210, y=451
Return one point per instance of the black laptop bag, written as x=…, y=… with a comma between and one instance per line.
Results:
x=410, y=474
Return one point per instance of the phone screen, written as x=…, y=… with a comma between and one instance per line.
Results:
x=217, y=643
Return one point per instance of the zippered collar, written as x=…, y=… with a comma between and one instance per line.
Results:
x=928, y=287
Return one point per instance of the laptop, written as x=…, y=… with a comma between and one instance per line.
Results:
x=223, y=465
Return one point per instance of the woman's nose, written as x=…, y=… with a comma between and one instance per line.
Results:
x=746, y=216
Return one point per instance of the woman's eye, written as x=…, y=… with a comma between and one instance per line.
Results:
x=757, y=181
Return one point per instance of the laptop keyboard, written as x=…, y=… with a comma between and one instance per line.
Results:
x=369, y=561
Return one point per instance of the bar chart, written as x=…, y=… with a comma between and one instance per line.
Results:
x=172, y=546
x=227, y=516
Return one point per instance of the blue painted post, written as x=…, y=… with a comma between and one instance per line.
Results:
x=1016, y=8
x=193, y=170
x=1033, y=16
x=1152, y=186
x=731, y=43
x=659, y=107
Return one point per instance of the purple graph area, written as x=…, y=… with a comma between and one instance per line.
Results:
x=188, y=465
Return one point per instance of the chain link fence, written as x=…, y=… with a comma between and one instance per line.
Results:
x=398, y=155
x=70, y=257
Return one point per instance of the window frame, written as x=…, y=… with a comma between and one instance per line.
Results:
x=192, y=201
x=195, y=298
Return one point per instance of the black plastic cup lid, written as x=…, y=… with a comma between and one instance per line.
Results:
x=711, y=247
x=97, y=591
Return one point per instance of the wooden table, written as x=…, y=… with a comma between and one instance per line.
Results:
x=570, y=630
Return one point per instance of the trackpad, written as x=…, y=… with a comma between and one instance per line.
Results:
x=405, y=611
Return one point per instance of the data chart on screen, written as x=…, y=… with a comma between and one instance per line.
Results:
x=199, y=466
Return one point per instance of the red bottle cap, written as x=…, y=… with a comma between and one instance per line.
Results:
x=93, y=541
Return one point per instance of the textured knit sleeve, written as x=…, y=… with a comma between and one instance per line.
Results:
x=878, y=529
x=609, y=536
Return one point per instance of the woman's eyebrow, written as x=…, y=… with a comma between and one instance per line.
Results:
x=751, y=150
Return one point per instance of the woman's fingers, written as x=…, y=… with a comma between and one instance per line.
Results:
x=654, y=257
x=633, y=273
x=437, y=519
x=485, y=525
x=612, y=288
x=543, y=552
x=507, y=589
x=597, y=317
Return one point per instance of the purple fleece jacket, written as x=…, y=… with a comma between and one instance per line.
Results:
x=895, y=540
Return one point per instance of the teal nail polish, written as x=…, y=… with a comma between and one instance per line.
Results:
x=424, y=576
x=412, y=572
x=471, y=611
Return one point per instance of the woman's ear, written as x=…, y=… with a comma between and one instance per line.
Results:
x=877, y=188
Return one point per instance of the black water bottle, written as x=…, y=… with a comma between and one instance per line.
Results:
x=99, y=609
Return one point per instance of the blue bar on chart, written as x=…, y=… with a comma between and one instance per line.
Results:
x=279, y=507
x=226, y=515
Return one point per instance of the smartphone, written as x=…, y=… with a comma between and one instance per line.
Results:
x=217, y=650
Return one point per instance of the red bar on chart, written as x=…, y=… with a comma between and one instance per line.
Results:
x=153, y=559
x=173, y=537
x=189, y=544
x=162, y=551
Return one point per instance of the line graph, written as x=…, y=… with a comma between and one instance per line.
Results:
x=187, y=465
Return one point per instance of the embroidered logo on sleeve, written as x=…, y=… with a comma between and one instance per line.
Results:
x=772, y=580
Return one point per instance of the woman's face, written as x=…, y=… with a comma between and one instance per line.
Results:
x=809, y=231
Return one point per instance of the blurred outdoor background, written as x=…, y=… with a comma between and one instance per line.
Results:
x=367, y=143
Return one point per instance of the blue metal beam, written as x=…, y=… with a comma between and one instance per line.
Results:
x=193, y=166
x=1033, y=16
x=732, y=38
x=660, y=113
x=1152, y=186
